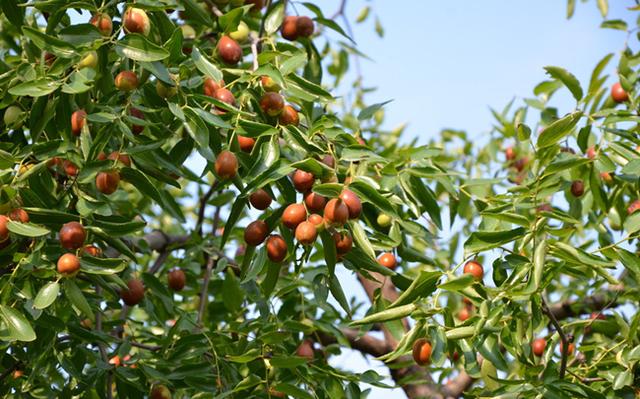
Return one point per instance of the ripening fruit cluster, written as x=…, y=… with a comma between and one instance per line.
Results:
x=16, y=215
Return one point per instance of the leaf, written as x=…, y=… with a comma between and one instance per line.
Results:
x=329, y=251
x=421, y=287
x=338, y=293
x=204, y=65
x=457, y=283
x=52, y=44
x=484, y=240
x=603, y=6
x=568, y=79
x=558, y=129
x=19, y=327
x=141, y=183
x=274, y=19
x=614, y=24
x=27, y=229
x=101, y=266
x=14, y=12
x=370, y=194
x=138, y=48
x=194, y=11
x=371, y=110
x=571, y=8
x=76, y=297
x=46, y=295
x=387, y=315
x=35, y=88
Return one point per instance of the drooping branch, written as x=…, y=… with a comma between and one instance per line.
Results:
x=366, y=343
x=563, y=338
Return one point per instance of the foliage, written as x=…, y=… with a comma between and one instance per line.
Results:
x=244, y=323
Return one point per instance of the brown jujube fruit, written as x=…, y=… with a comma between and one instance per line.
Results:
x=314, y=202
x=136, y=113
x=306, y=233
x=388, y=260
x=103, y=23
x=317, y=220
x=126, y=81
x=635, y=205
x=289, y=28
x=19, y=215
x=160, y=392
x=211, y=86
x=92, y=250
x=68, y=264
x=272, y=104
x=303, y=181
x=77, y=121
x=538, y=346
x=343, y=241
x=293, y=215
x=336, y=212
x=176, y=279
x=421, y=351
x=124, y=158
x=256, y=232
x=229, y=50
x=136, y=20
x=72, y=235
x=70, y=168
x=276, y=248
x=246, y=143
x=134, y=293
x=260, y=199
x=353, y=203
x=304, y=26
x=226, y=165
x=577, y=188
x=475, y=269
x=107, y=182
x=305, y=350
x=225, y=96
x=289, y=116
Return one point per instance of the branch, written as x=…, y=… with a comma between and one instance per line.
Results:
x=364, y=343
x=255, y=41
x=103, y=351
x=563, y=337
x=572, y=308
x=205, y=288
x=214, y=8
x=203, y=205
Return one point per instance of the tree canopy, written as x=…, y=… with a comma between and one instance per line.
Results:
x=179, y=184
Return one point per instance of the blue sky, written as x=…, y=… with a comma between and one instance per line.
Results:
x=444, y=63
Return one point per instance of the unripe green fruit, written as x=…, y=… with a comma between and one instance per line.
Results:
x=13, y=116
x=384, y=220
x=89, y=61
x=241, y=33
x=165, y=91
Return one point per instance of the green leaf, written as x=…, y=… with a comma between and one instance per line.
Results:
x=35, y=88
x=27, y=229
x=338, y=293
x=480, y=241
x=141, y=183
x=274, y=19
x=371, y=110
x=138, y=48
x=19, y=327
x=329, y=251
x=387, y=315
x=204, y=65
x=421, y=287
x=457, y=283
x=77, y=299
x=52, y=44
x=614, y=24
x=101, y=266
x=568, y=79
x=14, y=12
x=194, y=11
x=293, y=391
x=558, y=129
x=603, y=6
x=46, y=295
x=372, y=195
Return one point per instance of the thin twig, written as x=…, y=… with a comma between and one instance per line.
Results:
x=255, y=40
x=203, y=205
x=159, y=262
x=214, y=8
x=563, y=338
x=205, y=289
x=261, y=31
x=103, y=351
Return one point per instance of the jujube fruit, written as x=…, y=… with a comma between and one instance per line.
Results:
x=618, y=94
x=92, y=250
x=225, y=96
x=4, y=228
x=136, y=113
x=383, y=220
x=421, y=351
x=210, y=86
x=19, y=215
x=72, y=235
x=226, y=165
x=246, y=143
x=317, y=220
x=276, y=248
x=577, y=188
x=304, y=26
x=314, y=202
x=90, y=60
x=353, y=203
x=635, y=205
x=136, y=20
x=256, y=232
x=134, y=293
x=268, y=84
x=123, y=158
x=302, y=180
x=289, y=28
x=12, y=116
x=260, y=199
x=68, y=264
x=176, y=279
x=70, y=168
x=464, y=314
x=388, y=260
x=289, y=116
x=538, y=346
x=160, y=392
x=343, y=241
x=305, y=350
x=165, y=91
x=306, y=233
x=475, y=269
x=103, y=23
x=570, y=348
x=272, y=104
x=293, y=215
x=336, y=212
x=107, y=182
x=77, y=121
x=241, y=33
x=229, y=50
x=510, y=154
x=126, y=81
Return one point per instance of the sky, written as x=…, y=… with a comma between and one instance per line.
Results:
x=444, y=63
